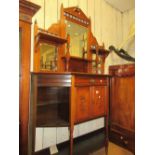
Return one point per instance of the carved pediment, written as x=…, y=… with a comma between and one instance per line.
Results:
x=77, y=15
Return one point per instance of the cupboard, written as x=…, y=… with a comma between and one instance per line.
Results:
x=26, y=12
x=66, y=99
x=122, y=105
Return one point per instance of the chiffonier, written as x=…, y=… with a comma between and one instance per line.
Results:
x=65, y=99
x=68, y=82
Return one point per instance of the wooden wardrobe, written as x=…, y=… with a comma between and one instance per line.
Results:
x=26, y=12
x=122, y=105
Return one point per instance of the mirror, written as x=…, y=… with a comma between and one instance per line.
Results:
x=78, y=39
x=48, y=57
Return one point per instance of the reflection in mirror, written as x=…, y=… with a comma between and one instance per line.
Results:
x=78, y=39
x=48, y=57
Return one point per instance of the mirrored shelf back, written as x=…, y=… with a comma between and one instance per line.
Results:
x=47, y=48
x=69, y=45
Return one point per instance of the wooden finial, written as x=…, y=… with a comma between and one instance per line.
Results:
x=68, y=53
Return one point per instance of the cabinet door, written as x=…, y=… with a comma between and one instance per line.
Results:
x=98, y=107
x=82, y=103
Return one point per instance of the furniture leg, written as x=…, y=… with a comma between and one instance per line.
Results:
x=106, y=135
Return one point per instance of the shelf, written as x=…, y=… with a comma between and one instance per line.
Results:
x=53, y=123
x=50, y=103
x=101, y=51
x=77, y=58
x=45, y=36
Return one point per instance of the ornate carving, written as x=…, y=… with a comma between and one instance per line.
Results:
x=25, y=17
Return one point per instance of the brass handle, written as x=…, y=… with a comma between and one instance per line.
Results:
x=97, y=91
x=121, y=137
x=126, y=142
x=92, y=80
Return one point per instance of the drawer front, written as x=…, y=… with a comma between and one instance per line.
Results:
x=53, y=80
x=90, y=80
x=123, y=140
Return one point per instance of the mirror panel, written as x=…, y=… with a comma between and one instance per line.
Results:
x=78, y=38
x=48, y=57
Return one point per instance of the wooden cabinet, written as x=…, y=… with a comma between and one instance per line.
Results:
x=91, y=97
x=66, y=71
x=122, y=112
x=65, y=99
x=26, y=11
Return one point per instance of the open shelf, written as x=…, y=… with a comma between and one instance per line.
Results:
x=77, y=58
x=45, y=36
x=52, y=107
x=53, y=123
x=83, y=145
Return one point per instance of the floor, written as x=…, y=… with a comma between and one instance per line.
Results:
x=89, y=145
x=113, y=150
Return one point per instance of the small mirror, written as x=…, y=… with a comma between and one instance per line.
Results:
x=78, y=39
x=48, y=57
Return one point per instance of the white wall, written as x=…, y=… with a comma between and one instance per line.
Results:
x=128, y=22
x=109, y=27
x=46, y=137
x=106, y=21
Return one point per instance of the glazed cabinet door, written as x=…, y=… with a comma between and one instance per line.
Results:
x=83, y=94
x=98, y=105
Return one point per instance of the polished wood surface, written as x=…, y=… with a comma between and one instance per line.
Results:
x=57, y=34
x=85, y=95
x=85, y=91
x=122, y=105
x=26, y=11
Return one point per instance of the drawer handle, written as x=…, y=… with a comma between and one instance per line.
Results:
x=126, y=142
x=121, y=137
x=92, y=80
x=97, y=91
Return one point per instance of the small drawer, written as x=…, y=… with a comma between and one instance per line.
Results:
x=90, y=80
x=82, y=80
x=122, y=140
x=101, y=81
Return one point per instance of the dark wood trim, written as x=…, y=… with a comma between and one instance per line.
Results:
x=122, y=105
x=26, y=11
x=122, y=70
x=28, y=8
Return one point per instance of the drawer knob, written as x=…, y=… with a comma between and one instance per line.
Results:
x=97, y=91
x=92, y=80
x=101, y=81
x=125, y=142
x=121, y=137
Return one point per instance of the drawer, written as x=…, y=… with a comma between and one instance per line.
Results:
x=90, y=80
x=123, y=140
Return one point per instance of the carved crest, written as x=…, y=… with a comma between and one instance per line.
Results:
x=75, y=14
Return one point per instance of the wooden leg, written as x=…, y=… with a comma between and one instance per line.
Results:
x=106, y=135
x=71, y=140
